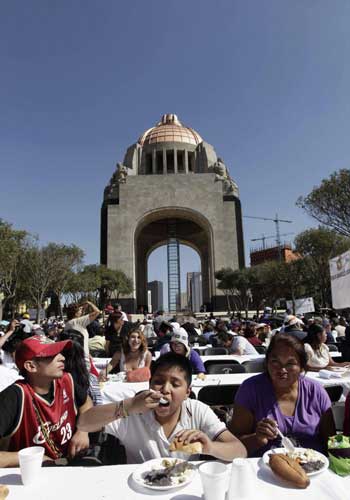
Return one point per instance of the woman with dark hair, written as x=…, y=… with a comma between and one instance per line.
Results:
x=75, y=364
x=250, y=333
x=134, y=354
x=317, y=351
x=283, y=398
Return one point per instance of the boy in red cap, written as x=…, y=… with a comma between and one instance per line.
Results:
x=42, y=409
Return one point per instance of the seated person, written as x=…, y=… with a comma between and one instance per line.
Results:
x=251, y=334
x=146, y=428
x=134, y=354
x=46, y=396
x=236, y=344
x=317, y=351
x=282, y=397
x=165, y=331
x=179, y=345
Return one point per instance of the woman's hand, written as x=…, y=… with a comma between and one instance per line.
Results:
x=192, y=435
x=146, y=400
x=266, y=430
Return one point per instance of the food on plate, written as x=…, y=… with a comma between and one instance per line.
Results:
x=4, y=491
x=190, y=448
x=171, y=473
x=309, y=460
x=201, y=376
x=339, y=446
x=288, y=469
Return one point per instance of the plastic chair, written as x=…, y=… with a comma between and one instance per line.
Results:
x=332, y=348
x=260, y=349
x=216, y=395
x=224, y=368
x=334, y=392
x=228, y=361
x=215, y=351
x=254, y=366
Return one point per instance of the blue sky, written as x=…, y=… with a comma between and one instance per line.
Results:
x=265, y=81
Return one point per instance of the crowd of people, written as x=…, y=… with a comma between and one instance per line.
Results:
x=50, y=389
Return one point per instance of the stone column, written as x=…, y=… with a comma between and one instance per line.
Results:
x=154, y=161
x=175, y=161
x=186, y=161
x=165, y=168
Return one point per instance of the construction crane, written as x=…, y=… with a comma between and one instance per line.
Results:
x=263, y=238
x=277, y=221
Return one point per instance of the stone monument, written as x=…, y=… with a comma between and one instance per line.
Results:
x=171, y=186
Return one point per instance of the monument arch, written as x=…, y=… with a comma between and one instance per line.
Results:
x=171, y=188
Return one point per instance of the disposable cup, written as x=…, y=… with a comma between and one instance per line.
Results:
x=30, y=460
x=214, y=476
x=240, y=485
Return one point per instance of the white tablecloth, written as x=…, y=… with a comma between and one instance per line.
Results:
x=115, y=483
x=116, y=391
x=102, y=362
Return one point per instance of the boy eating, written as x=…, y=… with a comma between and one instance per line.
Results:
x=148, y=423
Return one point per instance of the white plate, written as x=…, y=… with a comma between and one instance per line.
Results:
x=321, y=457
x=156, y=463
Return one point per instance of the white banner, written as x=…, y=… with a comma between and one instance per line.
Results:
x=340, y=280
x=302, y=306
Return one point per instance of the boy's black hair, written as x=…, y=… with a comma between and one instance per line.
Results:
x=173, y=360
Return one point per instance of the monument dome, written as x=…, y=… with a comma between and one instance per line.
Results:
x=170, y=129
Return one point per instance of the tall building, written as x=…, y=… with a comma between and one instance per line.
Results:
x=156, y=289
x=194, y=291
x=284, y=253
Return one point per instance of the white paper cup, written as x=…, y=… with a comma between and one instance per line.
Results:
x=241, y=479
x=30, y=460
x=214, y=476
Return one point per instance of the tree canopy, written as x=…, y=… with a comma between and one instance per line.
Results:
x=329, y=203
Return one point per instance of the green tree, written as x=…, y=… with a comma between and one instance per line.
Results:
x=98, y=283
x=329, y=203
x=13, y=244
x=317, y=246
x=67, y=258
x=39, y=273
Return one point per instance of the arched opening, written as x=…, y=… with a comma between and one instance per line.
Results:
x=191, y=295
x=192, y=230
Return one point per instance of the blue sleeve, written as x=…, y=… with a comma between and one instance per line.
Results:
x=197, y=363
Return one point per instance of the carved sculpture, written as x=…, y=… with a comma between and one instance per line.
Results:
x=228, y=184
x=119, y=177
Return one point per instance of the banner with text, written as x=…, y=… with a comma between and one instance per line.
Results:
x=340, y=280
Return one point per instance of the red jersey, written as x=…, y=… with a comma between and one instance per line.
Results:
x=58, y=418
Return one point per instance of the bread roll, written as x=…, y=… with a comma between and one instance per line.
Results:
x=289, y=469
x=190, y=448
x=4, y=491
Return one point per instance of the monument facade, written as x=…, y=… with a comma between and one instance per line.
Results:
x=171, y=189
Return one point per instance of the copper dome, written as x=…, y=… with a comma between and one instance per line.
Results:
x=170, y=129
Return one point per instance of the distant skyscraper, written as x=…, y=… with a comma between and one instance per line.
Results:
x=156, y=289
x=194, y=291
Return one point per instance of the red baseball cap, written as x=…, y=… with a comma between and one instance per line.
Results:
x=39, y=347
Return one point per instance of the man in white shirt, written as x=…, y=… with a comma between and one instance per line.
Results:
x=236, y=344
x=147, y=423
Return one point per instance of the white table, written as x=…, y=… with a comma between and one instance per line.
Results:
x=101, y=363
x=116, y=391
x=115, y=482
